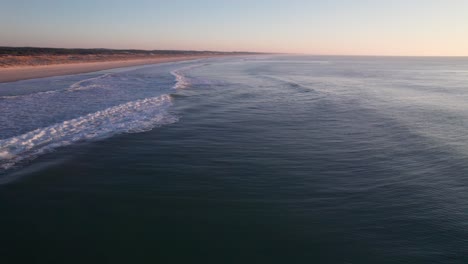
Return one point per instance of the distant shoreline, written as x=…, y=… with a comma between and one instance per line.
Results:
x=23, y=63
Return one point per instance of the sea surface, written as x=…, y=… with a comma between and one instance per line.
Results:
x=258, y=159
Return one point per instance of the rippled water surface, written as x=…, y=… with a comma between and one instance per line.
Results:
x=262, y=159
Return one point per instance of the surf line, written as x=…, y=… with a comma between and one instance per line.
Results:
x=182, y=81
x=131, y=117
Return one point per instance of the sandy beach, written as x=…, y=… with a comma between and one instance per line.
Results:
x=16, y=73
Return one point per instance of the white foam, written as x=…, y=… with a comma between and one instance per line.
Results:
x=135, y=116
x=77, y=86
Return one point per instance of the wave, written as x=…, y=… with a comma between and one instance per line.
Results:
x=77, y=86
x=182, y=81
x=136, y=116
x=290, y=83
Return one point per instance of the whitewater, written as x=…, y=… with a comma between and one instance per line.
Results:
x=133, y=110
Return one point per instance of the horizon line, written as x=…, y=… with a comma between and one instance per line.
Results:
x=242, y=51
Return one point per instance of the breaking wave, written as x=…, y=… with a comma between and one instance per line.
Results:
x=135, y=116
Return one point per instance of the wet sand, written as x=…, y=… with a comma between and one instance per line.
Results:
x=17, y=73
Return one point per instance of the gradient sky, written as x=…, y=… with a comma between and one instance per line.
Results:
x=353, y=27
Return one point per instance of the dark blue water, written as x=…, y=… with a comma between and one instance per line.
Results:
x=269, y=159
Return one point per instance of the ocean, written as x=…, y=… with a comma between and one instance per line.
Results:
x=254, y=159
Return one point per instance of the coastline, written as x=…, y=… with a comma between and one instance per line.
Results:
x=19, y=73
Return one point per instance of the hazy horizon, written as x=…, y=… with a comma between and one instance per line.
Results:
x=365, y=28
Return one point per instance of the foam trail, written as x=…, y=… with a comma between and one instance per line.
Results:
x=87, y=83
x=135, y=116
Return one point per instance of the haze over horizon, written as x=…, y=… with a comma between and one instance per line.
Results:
x=338, y=27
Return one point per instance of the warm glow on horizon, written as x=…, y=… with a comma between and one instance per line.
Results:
x=340, y=27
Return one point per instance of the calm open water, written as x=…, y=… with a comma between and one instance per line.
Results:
x=265, y=159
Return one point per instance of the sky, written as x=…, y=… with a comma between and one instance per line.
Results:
x=338, y=27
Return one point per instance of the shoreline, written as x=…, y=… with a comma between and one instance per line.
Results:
x=20, y=73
